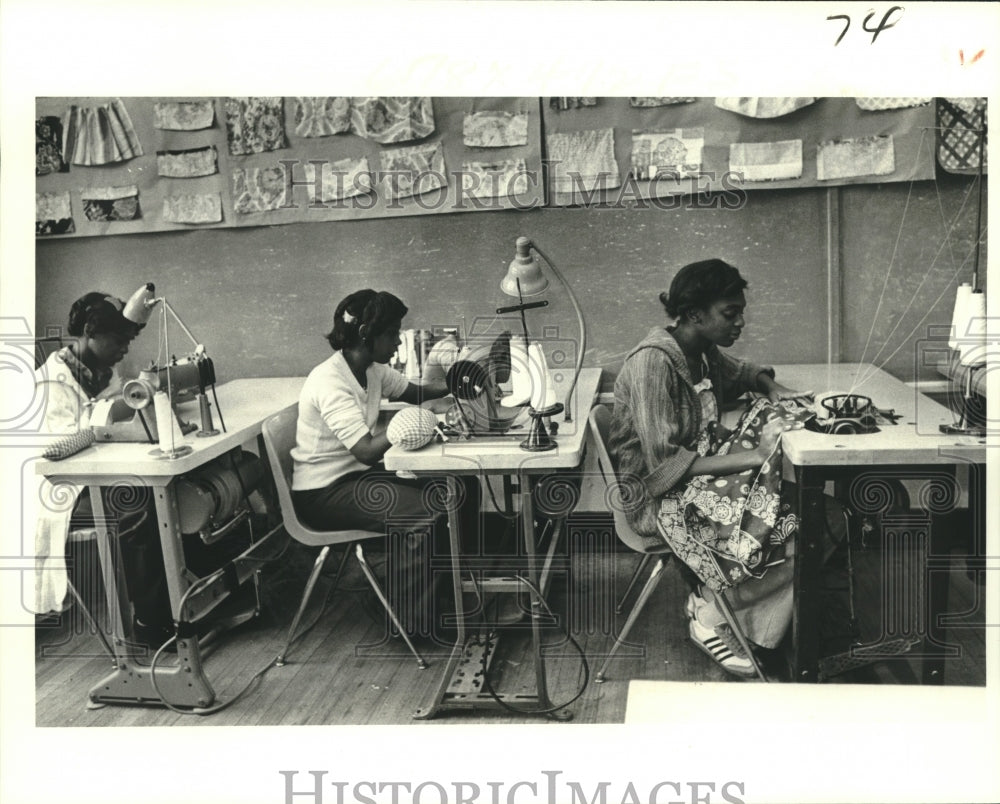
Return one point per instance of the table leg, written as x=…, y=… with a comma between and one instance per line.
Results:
x=808, y=575
x=181, y=684
x=455, y=547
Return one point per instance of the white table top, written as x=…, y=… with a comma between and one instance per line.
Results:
x=245, y=404
x=502, y=455
x=916, y=439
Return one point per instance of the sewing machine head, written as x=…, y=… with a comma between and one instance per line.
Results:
x=843, y=413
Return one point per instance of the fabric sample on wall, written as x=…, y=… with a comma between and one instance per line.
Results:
x=321, y=117
x=258, y=189
x=640, y=103
x=495, y=129
x=961, y=130
x=494, y=179
x=881, y=104
x=762, y=107
x=255, y=125
x=415, y=170
x=187, y=163
x=48, y=146
x=344, y=178
x=184, y=115
x=675, y=153
x=766, y=161
x=583, y=160
x=388, y=120
x=193, y=208
x=99, y=135
x=562, y=104
x=111, y=203
x=53, y=214
x=864, y=156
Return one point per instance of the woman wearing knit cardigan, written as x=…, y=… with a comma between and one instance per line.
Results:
x=667, y=398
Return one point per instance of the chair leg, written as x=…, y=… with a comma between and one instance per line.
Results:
x=632, y=581
x=310, y=585
x=727, y=612
x=647, y=590
x=340, y=568
x=360, y=553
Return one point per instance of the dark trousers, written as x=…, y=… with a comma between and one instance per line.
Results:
x=413, y=515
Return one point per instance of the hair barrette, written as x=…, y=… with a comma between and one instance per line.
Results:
x=348, y=318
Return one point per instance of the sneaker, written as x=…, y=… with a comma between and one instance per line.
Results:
x=721, y=646
x=693, y=603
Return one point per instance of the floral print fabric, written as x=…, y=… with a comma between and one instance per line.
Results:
x=729, y=529
x=255, y=125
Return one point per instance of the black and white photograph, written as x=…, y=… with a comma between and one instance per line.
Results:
x=487, y=444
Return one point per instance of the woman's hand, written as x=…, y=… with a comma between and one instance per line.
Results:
x=776, y=392
x=771, y=435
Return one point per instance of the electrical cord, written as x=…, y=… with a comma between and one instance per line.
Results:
x=543, y=710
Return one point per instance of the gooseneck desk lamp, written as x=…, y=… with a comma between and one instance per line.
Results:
x=524, y=277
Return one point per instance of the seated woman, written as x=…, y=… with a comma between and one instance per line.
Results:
x=338, y=480
x=70, y=381
x=667, y=439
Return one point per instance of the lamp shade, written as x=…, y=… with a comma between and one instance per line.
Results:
x=140, y=305
x=524, y=269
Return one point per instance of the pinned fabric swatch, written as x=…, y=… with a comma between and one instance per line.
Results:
x=766, y=161
x=415, y=170
x=184, y=115
x=562, y=104
x=644, y=103
x=763, y=107
x=344, y=178
x=321, y=117
x=865, y=156
x=495, y=129
x=99, y=135
x=494, y=179
x=48, y=146
x=258, y=189
x=882, y=104
x=200, y=208
x=675, y=153
x=255, y=125
x=53, y=214
x=961, y=134
x=388, y=120
x=188, y=163
x=583, y=160
x=105, y=204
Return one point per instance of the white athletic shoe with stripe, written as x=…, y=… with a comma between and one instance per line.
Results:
x=721, y=645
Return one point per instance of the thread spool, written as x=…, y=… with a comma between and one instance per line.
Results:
x=168, y=433
x=520, y=375
x=972, y=337
x=543, y=392
x=959, y=315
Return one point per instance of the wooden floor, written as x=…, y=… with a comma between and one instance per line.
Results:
x=346, y=671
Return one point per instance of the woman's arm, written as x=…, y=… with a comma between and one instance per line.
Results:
x=720, y=465
x=415, y=394
x=775, y=391
x=370, y=449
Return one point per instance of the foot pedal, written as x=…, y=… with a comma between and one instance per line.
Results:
x=467, y=679
x=862, y=656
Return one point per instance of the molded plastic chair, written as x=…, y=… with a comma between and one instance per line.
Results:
x=600, y=425
x=279, y=438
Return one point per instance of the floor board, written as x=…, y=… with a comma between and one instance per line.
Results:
x=343, y=672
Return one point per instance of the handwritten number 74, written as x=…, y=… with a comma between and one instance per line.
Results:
x=884, y=25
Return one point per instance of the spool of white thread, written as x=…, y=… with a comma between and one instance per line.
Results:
x=543, y=392
x=959, y=315
x=520, y=375
x=972, y=337
x=168, y=433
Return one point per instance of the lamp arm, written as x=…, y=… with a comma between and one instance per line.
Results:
x=583, y=330
x=177, y=318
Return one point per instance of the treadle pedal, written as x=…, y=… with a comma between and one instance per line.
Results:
x=852, y=659
x=467, y=679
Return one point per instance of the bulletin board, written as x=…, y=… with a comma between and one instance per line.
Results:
x=478, y=154
x=862, y=140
